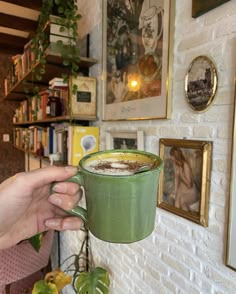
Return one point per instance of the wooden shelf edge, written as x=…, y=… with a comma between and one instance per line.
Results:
x=56, y=119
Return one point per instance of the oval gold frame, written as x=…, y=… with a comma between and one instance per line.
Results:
x=201, y=83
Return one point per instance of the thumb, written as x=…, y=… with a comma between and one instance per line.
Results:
x=47, y=175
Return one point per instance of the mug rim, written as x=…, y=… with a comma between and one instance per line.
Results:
x=134, y=151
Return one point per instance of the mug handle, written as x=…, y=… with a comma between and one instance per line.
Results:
x=77, y=211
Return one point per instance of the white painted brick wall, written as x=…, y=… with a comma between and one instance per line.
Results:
x=179, y=257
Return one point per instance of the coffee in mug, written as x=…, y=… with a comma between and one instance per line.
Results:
x=112, y=166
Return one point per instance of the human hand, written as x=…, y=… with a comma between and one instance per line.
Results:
x=27, y=206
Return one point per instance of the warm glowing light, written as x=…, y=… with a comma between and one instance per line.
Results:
x=134, y=83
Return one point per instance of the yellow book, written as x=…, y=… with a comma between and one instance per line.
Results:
x=81, y=141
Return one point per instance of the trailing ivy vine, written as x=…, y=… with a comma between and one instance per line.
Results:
x=67, y=17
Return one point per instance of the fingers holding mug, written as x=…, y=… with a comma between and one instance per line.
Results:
x=66, y=195
x=63, y=224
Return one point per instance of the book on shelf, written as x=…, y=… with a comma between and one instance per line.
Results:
x=20, y=138
x=58, y=82
x=81, y=141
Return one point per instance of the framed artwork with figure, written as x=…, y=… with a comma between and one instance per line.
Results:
x=137, y=42
x=185, y=180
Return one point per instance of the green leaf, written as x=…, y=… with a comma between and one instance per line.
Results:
x=38, y=77
x=94, y=282
x=42, y=71
x=43, y=61
x=26, y=90
x=36, y=241
x=59, y=42
x=60, y=10
x=66, y=62
x=64, y=76
x=75, y=67
x=62, y=29
x=41, y=287
x=74, y=89
x=36, y=90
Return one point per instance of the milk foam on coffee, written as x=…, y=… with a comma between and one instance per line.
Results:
x=112, y=166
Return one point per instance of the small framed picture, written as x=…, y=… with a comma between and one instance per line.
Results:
x=185, y=180
x=83, y=104
x=125, y=140
x=200, y=83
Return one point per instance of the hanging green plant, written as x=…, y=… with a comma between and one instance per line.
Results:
x=63, y=15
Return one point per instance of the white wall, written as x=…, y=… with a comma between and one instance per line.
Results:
x=180, y=256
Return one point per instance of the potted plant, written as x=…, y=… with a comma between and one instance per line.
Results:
x=77, y=270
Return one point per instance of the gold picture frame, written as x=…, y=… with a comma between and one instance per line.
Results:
x=200, y=7
x=201, y=83
x=231, y=225
x=137, y=59
x=83, y=103
x=125, y=140
x=185, y=180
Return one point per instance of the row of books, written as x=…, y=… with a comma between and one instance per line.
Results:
x=69, y=142
x=21, y=64
x=50, y=102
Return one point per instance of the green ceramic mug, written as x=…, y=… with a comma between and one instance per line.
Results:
x=121, y=205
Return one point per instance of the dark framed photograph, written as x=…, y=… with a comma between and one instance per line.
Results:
x=125, y=140
x=185, y=180
x=137, y=42
x=201, y=83
x=200, y=7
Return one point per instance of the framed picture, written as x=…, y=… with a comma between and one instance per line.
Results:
x=83, y=104
x=231, y=231
x=137, y=41
x=125, y=140
x=185, y=180
x=200, y=7
x=201, y=83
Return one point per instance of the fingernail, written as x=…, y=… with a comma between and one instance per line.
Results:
x=60, y=188
x=55, y=199
x=72, y=224
x=52, y=223
x=71, y=168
